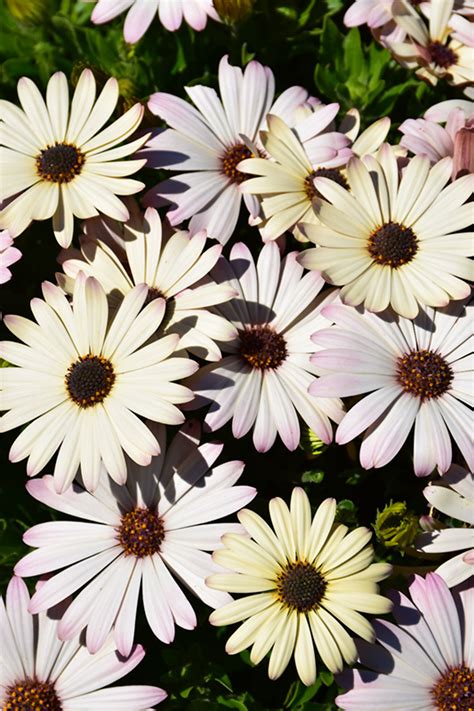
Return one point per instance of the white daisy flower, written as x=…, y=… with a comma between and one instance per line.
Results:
x=307, y=576
x=156, y=525
x=393, y=241
x=210, y=141
x=453, y=495
x=174, y=267
x=418, y=373
x=58, y=162
x=263, y=381
x=80, y=381
x=39, y=671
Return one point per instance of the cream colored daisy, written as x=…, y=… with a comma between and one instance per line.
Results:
x=307, y=576
x=57, y=160
x=394, y=241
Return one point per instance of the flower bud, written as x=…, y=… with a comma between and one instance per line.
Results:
x=231, y=11
x=32, y=11
x=396, y=526
x=310, y=443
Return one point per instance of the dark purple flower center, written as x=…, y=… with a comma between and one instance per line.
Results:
x=232, y=158
x=331, y=173
x=31, y=695
x=141, y=532
x=60, y=163
x=454, y=691
x=89, y=380
x=262, y=347
x=392, y=245
x=441, y=55
x=301, y=587
x=424, y=374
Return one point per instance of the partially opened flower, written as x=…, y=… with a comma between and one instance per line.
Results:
x=425, y=661
x=141, y=13
x=394, y=240
x=209, y=142
x=39, y=671
x=58, y=162
x=81, y=380
x=175, y=267
x=262, y=382
x=142, y=533
x=452, y=495
x=305, y=577
x=8, y=256
x=418, y=373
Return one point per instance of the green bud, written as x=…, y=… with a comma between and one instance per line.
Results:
x=231, y=11
x=32, y=11
x=396, y=526
x=310, y=443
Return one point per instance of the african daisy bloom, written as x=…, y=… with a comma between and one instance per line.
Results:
x=59, y=161
x=155, y=526
x=263, y=379
x=432, y=48
x=425, y=662
x=452, y=495
x=39, y=671
x=393, y=241
x=8, y=256
x=418, y=373
x=378, y=16
x=80, y=382
x=174, y=266
x=141, y=13
x=208, y=141
x=286, y=183
x=306, y=577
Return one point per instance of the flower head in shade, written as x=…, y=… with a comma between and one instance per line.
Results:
x=39, y=671
x=81, y=380
x=418, y=373
x=456, y=139
x=59, y=161
x=393, y=241
x=262, y=381
x=425, y=661
x=430, y=46
x=141, y=13
x=8, y=256
x=173, y=266
x=140, y=534
x=286, y=183
x=306, y=577
x=209, y=142
x=452, y=495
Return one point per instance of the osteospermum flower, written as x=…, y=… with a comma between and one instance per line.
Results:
x=39, y=671
x=8, y=256
x=286, y=183
x=263, y=380
x=156, y=525
x=208, y=141
x=80, y=382
x=58, y=162
x=418, y=373
x=307, y=576
x=141, y=13
x=378, y=16
x=425, y=661
x=394, y=241
x=453, y=495
x=174, y=267
x=432, y=48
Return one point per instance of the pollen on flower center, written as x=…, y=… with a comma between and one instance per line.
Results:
x=89, y=380
x=331, y=173
x=60, y=163
x=141, y=532
x=232, y=158
x=441, y=55
x=300, y=586
x=424, y=374
x=262, y=347
x=392, y=245
x=31, y=695
x=454, y=691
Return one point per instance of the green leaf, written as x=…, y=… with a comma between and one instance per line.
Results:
x=312, y=476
